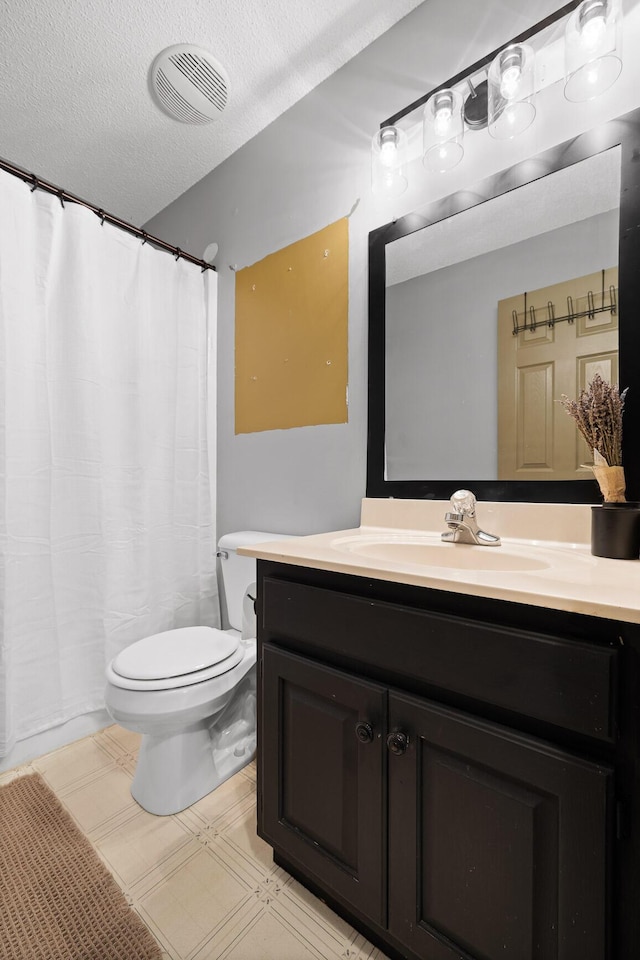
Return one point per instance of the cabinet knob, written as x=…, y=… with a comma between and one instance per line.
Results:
x=364, y=732
x=397, y=742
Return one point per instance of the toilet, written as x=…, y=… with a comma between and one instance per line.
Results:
x=191, y=693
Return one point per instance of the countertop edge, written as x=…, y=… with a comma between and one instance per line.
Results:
x=304, y=552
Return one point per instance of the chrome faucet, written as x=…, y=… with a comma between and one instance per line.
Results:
x=462, y=523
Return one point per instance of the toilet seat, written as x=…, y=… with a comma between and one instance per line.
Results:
x=175, y=658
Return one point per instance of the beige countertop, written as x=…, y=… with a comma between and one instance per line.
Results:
x=544, y=560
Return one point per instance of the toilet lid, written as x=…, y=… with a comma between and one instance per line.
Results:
x=175, y=653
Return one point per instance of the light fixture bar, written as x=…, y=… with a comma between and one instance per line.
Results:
x=484, y=62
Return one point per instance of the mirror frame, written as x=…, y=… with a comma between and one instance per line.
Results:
x=624, y=131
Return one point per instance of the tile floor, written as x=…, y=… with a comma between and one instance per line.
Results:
x=202, y=881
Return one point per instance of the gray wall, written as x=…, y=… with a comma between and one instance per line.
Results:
x=442, y=347
x=307, y=169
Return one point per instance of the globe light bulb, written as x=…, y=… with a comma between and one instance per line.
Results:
x=592, y=33
x=511, y=64
x=592, y=24
x=388, y=148
x=442, y=114
x=442, y=121
x=511, y=91
x=443, y=131
x=388, y=160
x=593, y=59
x=510, y=81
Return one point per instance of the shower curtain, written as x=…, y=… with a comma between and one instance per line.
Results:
x=106, y=519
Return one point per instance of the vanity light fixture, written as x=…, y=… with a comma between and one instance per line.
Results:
x=499, y=90
x=511, y=91
x=443, y=131
x=388, y=161
x=592, y=49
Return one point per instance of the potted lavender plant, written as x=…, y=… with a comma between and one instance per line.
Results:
x=615, y=525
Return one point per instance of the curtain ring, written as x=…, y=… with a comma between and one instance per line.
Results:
x=35, y=182
x=145, y=237
x=101, y=214
x=178, y=253
x=61, y=197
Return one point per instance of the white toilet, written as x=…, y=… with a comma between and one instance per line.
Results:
x=191, y=692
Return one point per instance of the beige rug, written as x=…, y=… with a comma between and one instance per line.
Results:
x=57, y=900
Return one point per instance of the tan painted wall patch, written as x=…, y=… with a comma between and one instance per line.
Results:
x=291, y=339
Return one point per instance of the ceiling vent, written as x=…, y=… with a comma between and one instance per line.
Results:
x=189, y=84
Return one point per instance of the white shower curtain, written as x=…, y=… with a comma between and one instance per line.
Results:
x=106, y=520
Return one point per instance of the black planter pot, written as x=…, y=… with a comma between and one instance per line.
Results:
x=615, y=530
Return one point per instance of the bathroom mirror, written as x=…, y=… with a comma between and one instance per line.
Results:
x=442, y=365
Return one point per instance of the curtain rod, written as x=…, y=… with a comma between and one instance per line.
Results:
x=38, y=184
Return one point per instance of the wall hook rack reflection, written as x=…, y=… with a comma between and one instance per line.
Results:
x=529, y=320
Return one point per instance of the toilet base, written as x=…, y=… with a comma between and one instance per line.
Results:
x=175, y=770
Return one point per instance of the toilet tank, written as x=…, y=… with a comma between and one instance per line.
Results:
x=238, y=572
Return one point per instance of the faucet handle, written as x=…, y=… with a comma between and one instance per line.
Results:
x=463, y=502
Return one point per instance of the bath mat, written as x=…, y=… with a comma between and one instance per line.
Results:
x=57, y=900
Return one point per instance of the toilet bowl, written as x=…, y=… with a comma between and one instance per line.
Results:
x=191, y=693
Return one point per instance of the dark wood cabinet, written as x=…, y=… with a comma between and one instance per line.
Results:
x=457, y=777
x=508, y=837
x=323, y=801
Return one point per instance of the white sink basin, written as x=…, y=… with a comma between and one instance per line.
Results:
x=430, y=551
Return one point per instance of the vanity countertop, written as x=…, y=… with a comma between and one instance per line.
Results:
x=544, y=560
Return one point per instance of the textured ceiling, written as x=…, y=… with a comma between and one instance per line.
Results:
x=74, y=101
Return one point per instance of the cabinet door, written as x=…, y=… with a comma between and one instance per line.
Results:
x=497, y=842
x=323, y=748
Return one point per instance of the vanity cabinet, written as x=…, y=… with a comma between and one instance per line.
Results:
x=488, y=817
x=322, y=732
x=454, y=775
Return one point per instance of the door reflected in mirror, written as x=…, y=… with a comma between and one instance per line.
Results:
x=491, y=315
